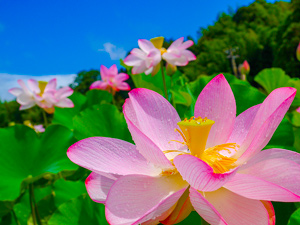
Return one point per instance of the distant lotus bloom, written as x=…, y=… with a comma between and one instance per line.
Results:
x=211, y=163
x=298, y=109
x=177, y=54
x=148, y=58
x=244, y=68
x=111, y=80
x=43, y=94
x=144, y=59
x=37, y=128
x=298, y=52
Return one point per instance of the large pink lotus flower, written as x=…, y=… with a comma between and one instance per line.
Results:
x=212, y=163
x=144, y=59
x=111, y=80
x=177, y=54
x=43, y=94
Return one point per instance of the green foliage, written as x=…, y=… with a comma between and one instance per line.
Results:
x=84, y=80
x=25, y=157
x=79, y=211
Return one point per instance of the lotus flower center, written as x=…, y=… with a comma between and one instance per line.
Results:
x=195, y=132
x=42, y=86
x=162, y=51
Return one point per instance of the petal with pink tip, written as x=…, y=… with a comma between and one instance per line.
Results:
x=222, y=207
x=27, y=106
x=199, y=174
x=133, y=60
x=104, y=72
x=34, y=86
x=99, y=84
x=242, y=125
x=123, y=86
x=24, y=99
x=145, y=45
x=139, y=68
x=98, y=186
x=24, y=87
x=113, y=69
x=138, y=53
x=16, y=91
x=121, y=77
x=51, y=85
x=272, y=175
x=64, y=92
x=186, y=44
x=65, y=103
x=216, y=102
x=109, y=155
x=189, y=55
x=266, y=121
x=176, y=43
x=134, y=199
x=148, y=109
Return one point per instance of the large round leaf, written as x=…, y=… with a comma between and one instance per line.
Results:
x=102, y=120
x=295, y=218
x=272, y=78
x=23, y=154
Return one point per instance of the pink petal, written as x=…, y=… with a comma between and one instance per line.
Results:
x=98, y=186
x=16, y=91
x=199, y=174
x=146, y=45
x=24, y=99
x=109, y=155
x=134, y=199
x=104, y=72
x=51, y=85
x=138, y=53
x=121, y=77
x=270, y=209
x=155, y=56
x=272, y=175
x=27, y=106
x=123, y=86
x=242, y=125
x=139, y=69
x=298, y=109
x=34, y=86
x=186, y=44
x=225, y=207
x=216, y=102
x=132, y=60
x=189, y=55
x=176, y=43
x=153, y=115
x=113, y=69
x=24, y=87
x=99, y=85
x=267, y=119
x=64, y=92
x=65, y=103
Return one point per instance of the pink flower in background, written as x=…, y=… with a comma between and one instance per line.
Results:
x=43, y=94
x=177, y=54
x=111, y=80
x=145, y=59
x=244, y=68
x=38, y=128
x=215, y=153
x=298, y=109
x=298, y=52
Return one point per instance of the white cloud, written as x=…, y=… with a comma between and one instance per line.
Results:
x=114, y=52
x=8, y=81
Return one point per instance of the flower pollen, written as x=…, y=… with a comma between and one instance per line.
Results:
x=42, y=86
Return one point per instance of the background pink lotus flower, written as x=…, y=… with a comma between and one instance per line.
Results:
x=177, y=54
x=144, y=59
x=244, y=68
x=38, y=128
x=298, y=109
x=111, y=80
x=298, y=52
x=43, y=94
x=148, y=182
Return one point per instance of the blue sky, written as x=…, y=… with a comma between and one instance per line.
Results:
x=60, y=37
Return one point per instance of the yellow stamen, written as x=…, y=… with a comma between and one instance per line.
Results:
x=157, y=42
x=217, y=161
x=195, y=133
x=42, y=86
x=162, y=51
